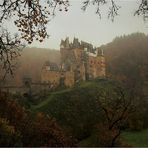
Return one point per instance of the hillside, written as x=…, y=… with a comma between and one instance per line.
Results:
x=126, y=60
x=77, y=109
x=126, y=56
x=30, y=63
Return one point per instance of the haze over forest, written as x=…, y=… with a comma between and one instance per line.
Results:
x=89, y=91
x=118, y=55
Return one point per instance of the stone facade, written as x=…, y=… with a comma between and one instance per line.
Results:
x=80, y=61
x=57, y=78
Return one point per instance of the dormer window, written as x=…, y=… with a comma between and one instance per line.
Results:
x=48, y=68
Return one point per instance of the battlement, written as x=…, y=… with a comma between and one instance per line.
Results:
x=66, y=44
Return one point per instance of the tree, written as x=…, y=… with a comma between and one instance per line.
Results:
x=116, y=105
x=18, y=127
x=114, y=8
x=44, y=131
x=31, y=18
x=8, y=135
x=9, y=50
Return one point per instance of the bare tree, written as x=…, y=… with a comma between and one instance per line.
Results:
x=9, y=50
x=117, y=107
x=114, y=8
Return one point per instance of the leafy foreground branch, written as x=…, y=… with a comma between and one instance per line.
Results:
x=31, y=16
x=113, y=7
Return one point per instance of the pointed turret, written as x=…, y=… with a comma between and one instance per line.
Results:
x=67, y=42
x=76, y=43
x=62, y=45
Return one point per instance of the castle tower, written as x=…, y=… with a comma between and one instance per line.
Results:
x=101, y=60
x=76, y=43
x=64, y=50
x=62, y=44
x=65, y=44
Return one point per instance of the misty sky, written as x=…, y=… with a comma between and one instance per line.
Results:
x=88, y=27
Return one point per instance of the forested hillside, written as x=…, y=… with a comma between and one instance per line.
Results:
x=126, y=57
x=126, y=60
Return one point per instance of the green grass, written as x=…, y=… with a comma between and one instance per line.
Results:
x=136, y=138
x=87, y=89
x=91, y=141
x=132, y=138
x=77, y=109
x=49, y=98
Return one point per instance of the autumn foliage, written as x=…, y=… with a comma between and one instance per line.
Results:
x=19, y=128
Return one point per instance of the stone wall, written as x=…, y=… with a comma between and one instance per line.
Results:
x=52, y=77
x=69, y=79
x=96, y=67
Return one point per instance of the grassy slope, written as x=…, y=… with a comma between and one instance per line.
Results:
x=137, y=138
x=80, y=93
x=76, y=109
x=132, y=138
x=43, y=106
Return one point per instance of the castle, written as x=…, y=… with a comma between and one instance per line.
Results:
x=80, y=61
